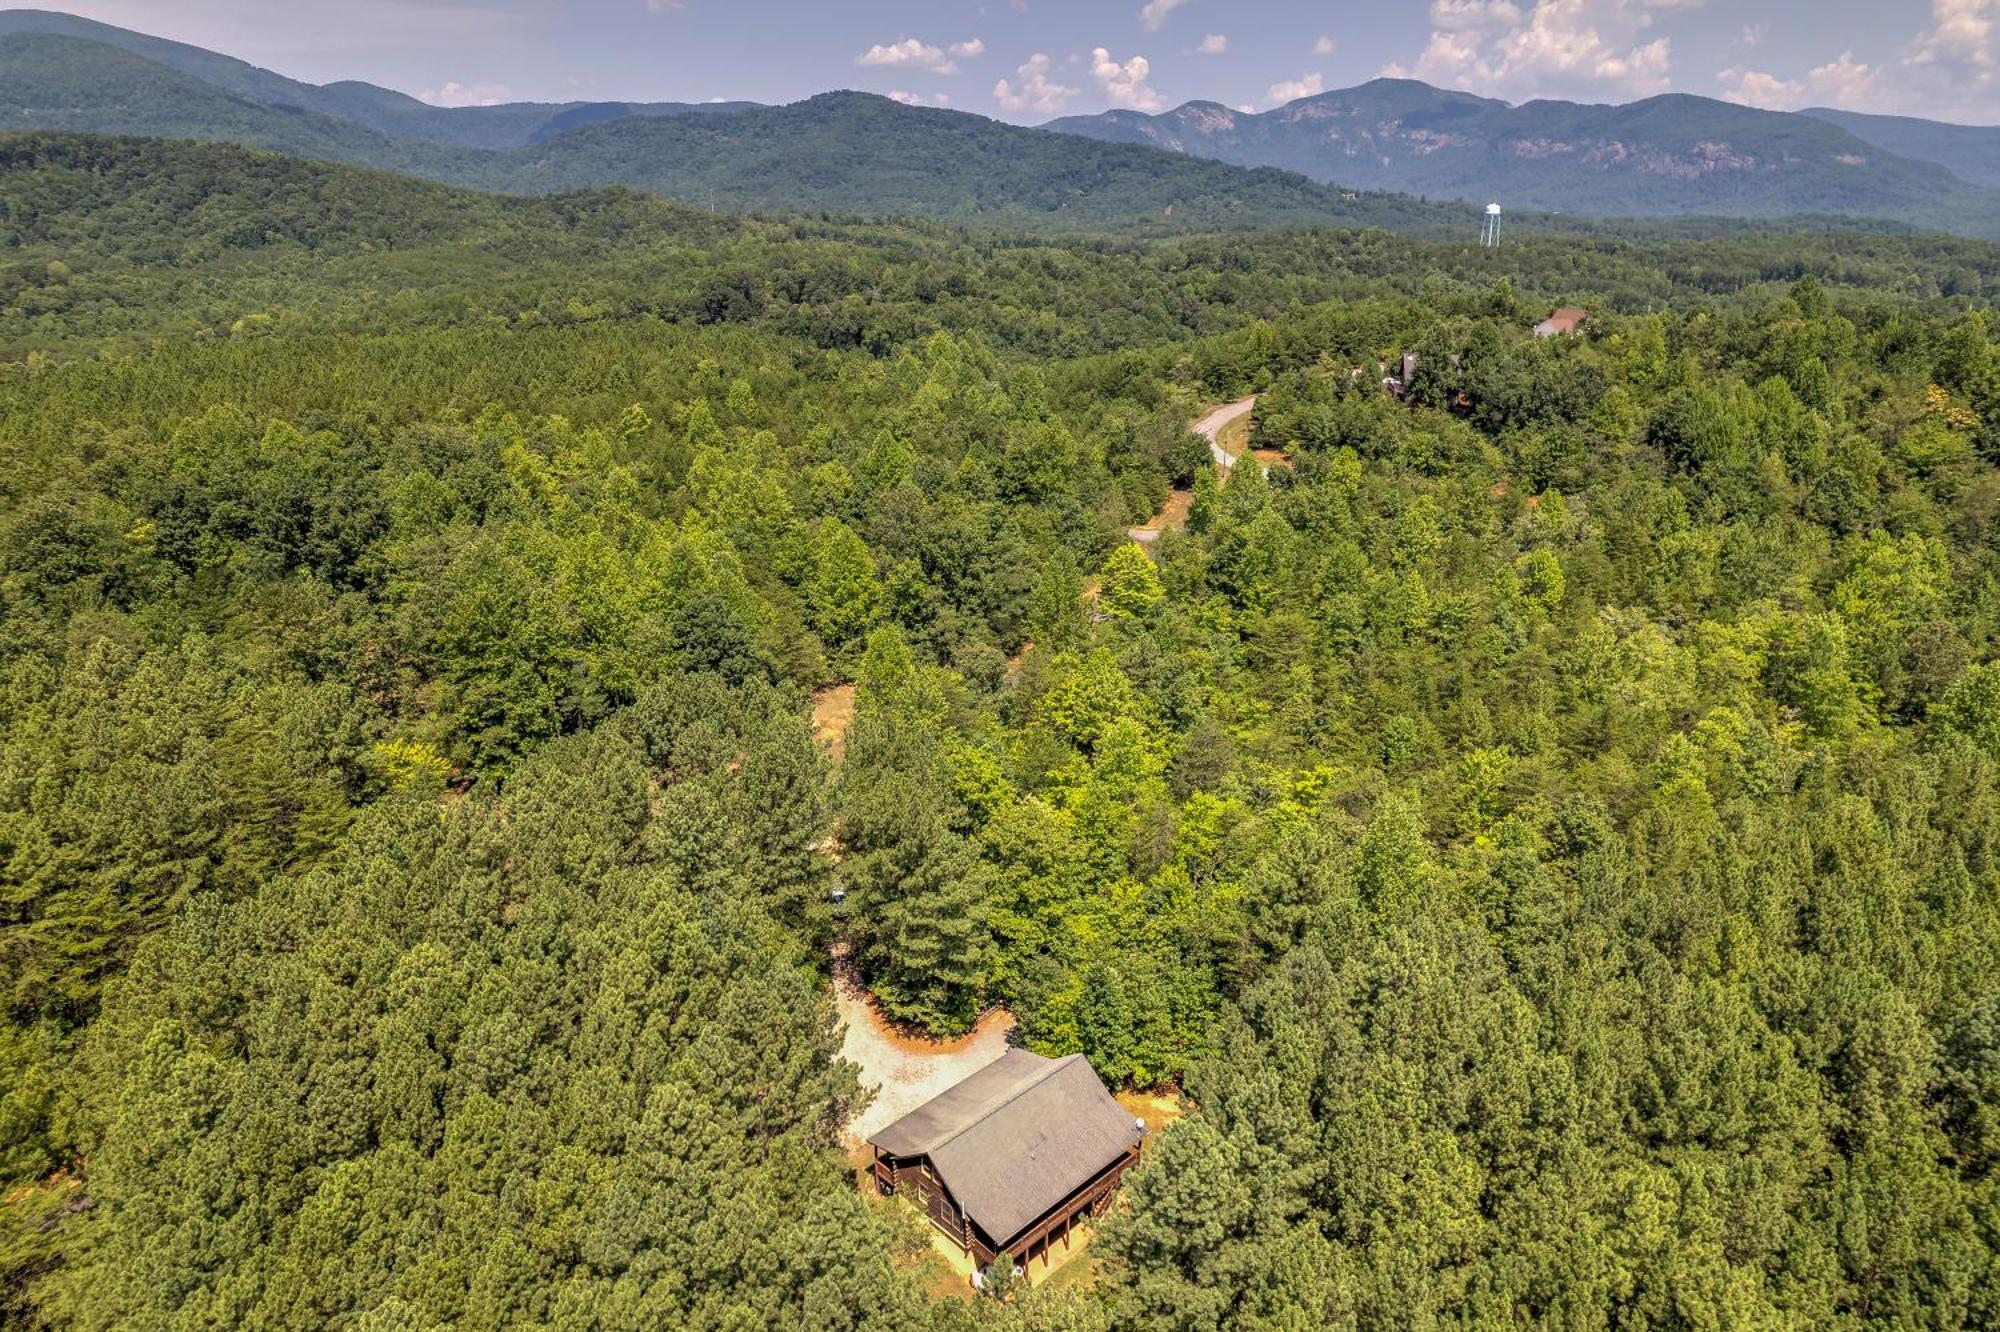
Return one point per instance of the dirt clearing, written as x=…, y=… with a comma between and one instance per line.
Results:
x=1155, y=1109
x=904, y=1070
x=1171, y=517
x=832, y=714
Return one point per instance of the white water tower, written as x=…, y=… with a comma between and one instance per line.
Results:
x=1489, y=230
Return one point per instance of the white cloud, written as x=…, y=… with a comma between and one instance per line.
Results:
x=1843, y=82
x=1946, y=66
x=909, y=54
x=1293, y=89
x=918, y=99
x=454, y=93
x=1950, y=68
x=1031, y=88
x=969, y=50
x=1246, y=108
x=1214, y=44
x=1324, y=45
x=1547, y=47
x=1961, y=36
x=1751, y=87
x=1155, y=12
x=1307, y=85
x=1953, y=66
x=1125, y=85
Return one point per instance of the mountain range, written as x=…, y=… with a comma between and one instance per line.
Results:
x=1970, y=152
x=389, y=114
x=1672, y=154
x=1386, y=153
x=843, y=152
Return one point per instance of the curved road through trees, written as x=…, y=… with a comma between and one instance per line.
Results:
x=1210, y=427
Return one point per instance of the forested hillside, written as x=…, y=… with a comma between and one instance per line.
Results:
x=378, y=111
x=1547, y=825
x=55, y=82
x=1385, y=154
x=1666, y=155
x=119, y=244
x=844, y=152
x=1970, y=152
x=857, y=153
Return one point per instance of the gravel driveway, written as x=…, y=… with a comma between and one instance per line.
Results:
x=905, y=1071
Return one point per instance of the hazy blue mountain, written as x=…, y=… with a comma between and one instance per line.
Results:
x=1970, y=152
x=382, y=110
x=56, y=82
x=224, y=72
x=1674, y=154
x=1358, y=157
x=840, y=152
x=851, y=152
x=597, y=113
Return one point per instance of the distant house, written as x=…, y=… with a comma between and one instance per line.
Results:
x=1010, y=1158
x=1562, y=323
x=1400, y=384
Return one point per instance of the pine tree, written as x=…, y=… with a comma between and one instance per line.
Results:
x=917, y=902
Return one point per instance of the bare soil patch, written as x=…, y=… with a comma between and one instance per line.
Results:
x=1077, y=1266
x=1156, y=1109
x=1172, y=517
x=832, y=714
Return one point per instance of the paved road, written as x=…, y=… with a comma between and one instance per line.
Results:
x=1210, y=427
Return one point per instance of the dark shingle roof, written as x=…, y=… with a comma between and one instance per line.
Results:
x=1015, y=1138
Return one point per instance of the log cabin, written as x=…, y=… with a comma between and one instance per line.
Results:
x=1011, y=1158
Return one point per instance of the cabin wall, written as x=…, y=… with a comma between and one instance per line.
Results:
x=936, y=1202
x=914, y=1177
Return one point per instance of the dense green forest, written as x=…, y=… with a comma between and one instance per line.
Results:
x=115, y=245
x=1550, y=828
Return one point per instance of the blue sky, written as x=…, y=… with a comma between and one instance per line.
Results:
x=1028, y=60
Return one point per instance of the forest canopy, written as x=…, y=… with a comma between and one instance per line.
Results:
x=1547, y=824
